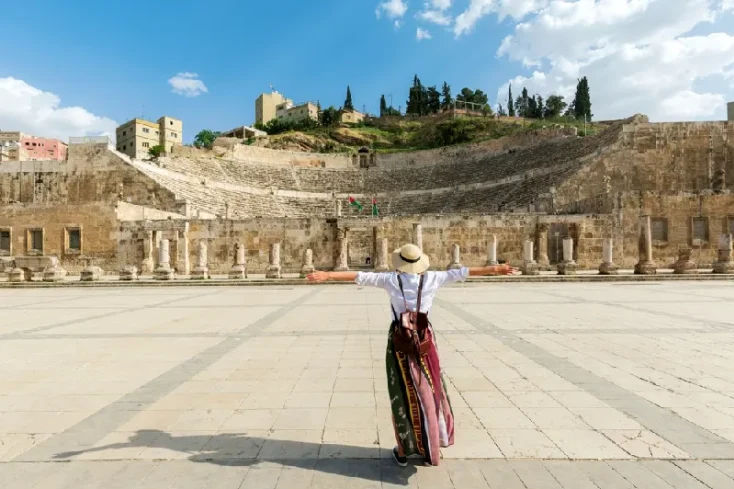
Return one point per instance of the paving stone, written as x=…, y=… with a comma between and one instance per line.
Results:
x=707, y=474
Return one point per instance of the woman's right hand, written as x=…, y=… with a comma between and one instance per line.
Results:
x=506, y=270
x=317, y=277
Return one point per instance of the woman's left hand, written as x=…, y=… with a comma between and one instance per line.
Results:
x=506, y=270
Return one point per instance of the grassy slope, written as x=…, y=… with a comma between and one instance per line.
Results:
x=411, y=135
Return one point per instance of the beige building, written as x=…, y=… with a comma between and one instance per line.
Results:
x=136, y=137
x=351, y=117
x=266, y=105
x=289, y=112
x=730, y=112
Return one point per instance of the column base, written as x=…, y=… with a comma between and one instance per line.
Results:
x=608, y=268
x=456, y=266
x=147, y=266
x=273, y=271
x=55, y=274
x=341, y=269
x=567, y=268
x=91, y=274
x=382, y=268
x=129, y=273
x=492, y=263
x=684, y=267
x=19, y=275
x=646, y=268
x=238, y=272
x=724, y=267
x=306, y=269
x=530, y=268
x=163, y=273
x=200, y=273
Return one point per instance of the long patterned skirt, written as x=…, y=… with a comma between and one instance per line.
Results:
x=421, y=410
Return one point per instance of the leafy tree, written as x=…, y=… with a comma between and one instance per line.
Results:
x=156, y=151
x=329, y=117
x=554, y=106
x=582, y=100
x=348, y=102
x=501, y=110
x=510, y=104
x=433, y=100
x=532, y=107
x=205, y=138
x=447, y=99
x=487, y=111
x=383, y=106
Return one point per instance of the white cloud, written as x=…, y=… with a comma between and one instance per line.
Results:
x=421, y=34
x=435, y=16
x=31, y=110
x=517, y=9
x=727, y=5
x=397, y=24
x=443, y=4
x=187, y=84
x=638, y=55
x=393, y=9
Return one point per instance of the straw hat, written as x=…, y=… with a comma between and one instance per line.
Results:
x=410, y=259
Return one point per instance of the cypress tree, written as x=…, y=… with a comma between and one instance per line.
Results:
x=447, y=98
x=348, y=102
x=383, y=106
x=582, y=100
x=510, y=104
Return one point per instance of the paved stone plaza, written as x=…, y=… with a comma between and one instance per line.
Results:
x=553, y=386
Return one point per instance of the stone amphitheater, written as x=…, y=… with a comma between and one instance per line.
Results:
x=102, y=209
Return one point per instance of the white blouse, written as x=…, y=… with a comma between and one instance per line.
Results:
x=431, y=284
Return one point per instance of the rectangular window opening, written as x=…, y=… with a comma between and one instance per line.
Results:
x=36, y=239
x=75, y=239
x=659, y=229
x=700, y=229
x=5, y=240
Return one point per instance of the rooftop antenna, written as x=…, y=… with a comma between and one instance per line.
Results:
x=272, y=88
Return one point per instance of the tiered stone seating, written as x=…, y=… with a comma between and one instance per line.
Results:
x=197, y=181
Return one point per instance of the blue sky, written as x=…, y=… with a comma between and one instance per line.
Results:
x=114, y=61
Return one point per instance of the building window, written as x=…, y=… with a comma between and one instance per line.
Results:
x=731, y=225
x=156, y=133
x=700, y=229
x=146, y=130
x=4, y=241
x=173, y=134
x=35, y=240
x=146, y=145
x=170, y=122
x=123, y=133
x=74, y=240
x=660, y=229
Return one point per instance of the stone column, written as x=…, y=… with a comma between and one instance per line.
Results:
x=201, y=270
x=724, y=264
x=273, y=270
x=239, y=269
x=342, y=264
x=455, y=258
x=543, y=245
x=338, y=209
x=307, y=263
x=492, y=251
x=164, y=270
x=183, y=265
x=148, y=265
x=568, y=265
x=607, y=266
x=54, y=272
x=381, y=263
x=529, y=266
x=418, y=235
x=645, y=266
x=684, y=265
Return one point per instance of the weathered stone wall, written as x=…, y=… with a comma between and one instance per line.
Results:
x=666, y=157
x=97, y=222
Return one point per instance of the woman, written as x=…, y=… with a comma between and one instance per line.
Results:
x=422, y=416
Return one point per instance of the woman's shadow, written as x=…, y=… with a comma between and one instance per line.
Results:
x=239, y=450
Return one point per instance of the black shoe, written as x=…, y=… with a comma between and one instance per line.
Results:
x=401, y=461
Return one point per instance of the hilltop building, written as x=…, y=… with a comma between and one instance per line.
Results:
x=137, y=136
x=294, y=113
x=266, y=106
x=18, y=146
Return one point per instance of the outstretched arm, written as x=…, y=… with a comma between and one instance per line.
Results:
x=335, y=276
x=493, y=270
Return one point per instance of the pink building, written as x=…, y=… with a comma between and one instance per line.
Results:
x=33, y=148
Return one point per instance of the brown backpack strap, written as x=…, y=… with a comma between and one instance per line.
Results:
x=405, y=301
x=420, y=293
